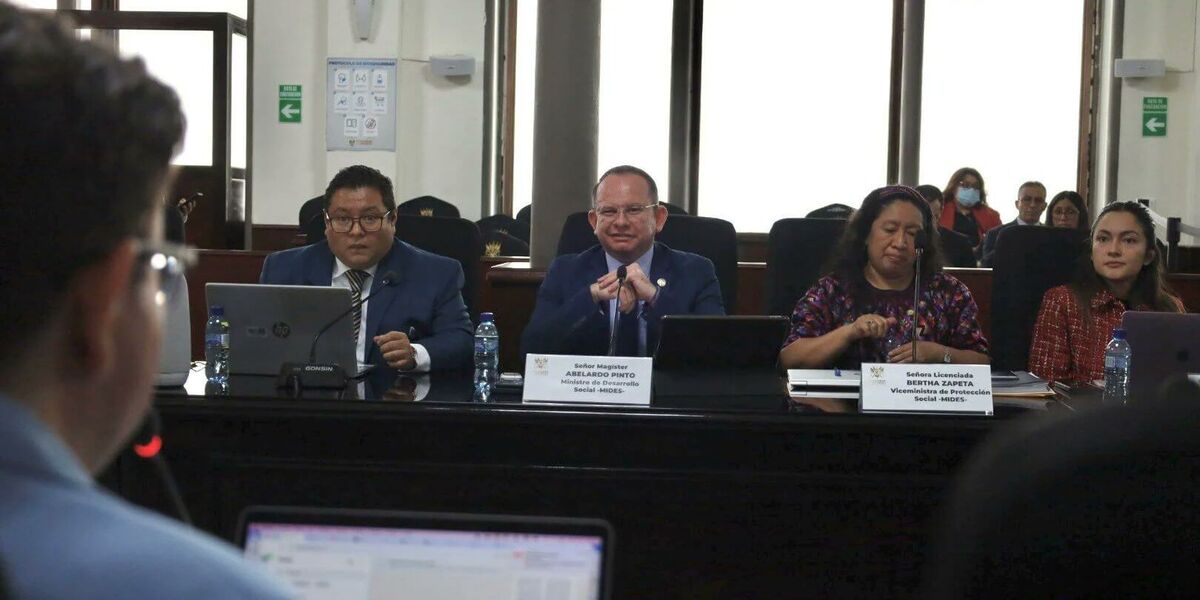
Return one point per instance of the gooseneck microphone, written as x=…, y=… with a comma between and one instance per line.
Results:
x=622, y=272
x=147, y=444
x=921, y=241
x=318, y=375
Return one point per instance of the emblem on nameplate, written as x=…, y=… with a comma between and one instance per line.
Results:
x=491, y=249
x=426, y=212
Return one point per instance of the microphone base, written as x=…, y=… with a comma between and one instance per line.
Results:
x=311, y=376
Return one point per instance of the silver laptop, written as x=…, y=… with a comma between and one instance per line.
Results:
x=1164, y=345
x=273, y=324
x=353, y=554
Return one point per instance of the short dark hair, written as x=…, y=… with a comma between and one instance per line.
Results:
x=931, y=193
x=84, y=151
x=628, y=170
x=361, y=176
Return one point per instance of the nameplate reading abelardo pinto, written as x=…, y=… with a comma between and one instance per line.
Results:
x=587, y=379
x=944, y=389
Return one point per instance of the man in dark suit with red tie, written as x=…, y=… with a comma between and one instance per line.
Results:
x=581, y=302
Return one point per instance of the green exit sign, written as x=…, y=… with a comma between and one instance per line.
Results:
x=289, y=103
x=1154, y=116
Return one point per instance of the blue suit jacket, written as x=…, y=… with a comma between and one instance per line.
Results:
x=427, y=296
x=567, y=321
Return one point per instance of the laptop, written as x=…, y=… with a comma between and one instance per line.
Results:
x=720, y=361
x=273, y=324
x=351, y=554
x=1164, y=345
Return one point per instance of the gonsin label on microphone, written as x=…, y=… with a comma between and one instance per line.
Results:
x=319, y=368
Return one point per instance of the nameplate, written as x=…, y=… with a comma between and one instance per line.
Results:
x=926, y=388
x=588, y=379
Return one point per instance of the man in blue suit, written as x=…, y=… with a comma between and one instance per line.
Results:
x=414, y=318
x=580, y=301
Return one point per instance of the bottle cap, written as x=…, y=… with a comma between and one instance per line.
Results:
x=216, y=310
x=1118, y=334
x=485, y=317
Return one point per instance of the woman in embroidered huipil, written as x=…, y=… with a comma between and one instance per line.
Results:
x=1121, y=270
x=861, y=311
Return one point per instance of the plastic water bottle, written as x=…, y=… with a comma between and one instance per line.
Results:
x=1116, y=369
x=216, y=346
x=487, y=357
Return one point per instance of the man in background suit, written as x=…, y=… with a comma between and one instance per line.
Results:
x=580, y=301
x=86, y=143
x=1031, y=202
x=415, y=321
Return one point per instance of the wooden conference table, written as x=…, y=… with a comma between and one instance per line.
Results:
x=793, y=498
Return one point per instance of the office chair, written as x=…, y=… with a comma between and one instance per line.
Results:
x=797, y=250
x=956, y=248
x=499, y=243
x=831, y=211
x=427, y=206
x=525, y=214
x=451, y=237
x=505, y=224
x=676, y=210
x=1095, y=504
x=1028, y=261
x=714, y=239
x=312, y=219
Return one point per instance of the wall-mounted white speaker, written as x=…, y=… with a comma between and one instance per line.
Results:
x=364, y=13
x=1139, y=67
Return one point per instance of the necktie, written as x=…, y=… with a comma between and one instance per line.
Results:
x=627, y=333
x=356, y=278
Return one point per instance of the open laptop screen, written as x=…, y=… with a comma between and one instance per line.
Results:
x=413, y=556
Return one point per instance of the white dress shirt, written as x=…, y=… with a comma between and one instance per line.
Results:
x=342, y=280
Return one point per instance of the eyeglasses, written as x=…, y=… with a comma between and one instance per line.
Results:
x=368, y=223
x=632, y=212
x=170, y=261
x=1065, y=211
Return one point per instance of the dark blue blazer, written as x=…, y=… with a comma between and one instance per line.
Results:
x=567, y=321
x=427, y=296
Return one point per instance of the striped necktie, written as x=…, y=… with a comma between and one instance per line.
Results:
x=356, y=279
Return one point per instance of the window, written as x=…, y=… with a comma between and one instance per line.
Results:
x=794, y=107
x=1000, y=93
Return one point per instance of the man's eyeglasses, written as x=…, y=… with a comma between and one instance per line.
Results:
x=368, y=223
x=170, y=261
x=632, y=212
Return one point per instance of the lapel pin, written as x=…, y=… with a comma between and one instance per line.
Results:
x=662, y=282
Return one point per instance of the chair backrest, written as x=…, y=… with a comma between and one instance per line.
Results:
x=831, y=211
x=797, y=250
x=451, y=237
x=427, y=206
x=498, y=243
x=505, y=224
x=714, y=239
x=675, y=209
x=956, y=249
x=525, y=214
x=1028, y=261
x=312, y=220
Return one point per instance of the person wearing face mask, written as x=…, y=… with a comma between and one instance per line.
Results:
x=859, y=311
x=965, y=207
x=1121, y=271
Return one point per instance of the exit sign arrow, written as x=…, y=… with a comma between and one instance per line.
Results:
x=288, y=111
x=1153, y=124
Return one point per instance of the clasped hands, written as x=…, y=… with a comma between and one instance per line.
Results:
x=637, y=287
x=876, y=327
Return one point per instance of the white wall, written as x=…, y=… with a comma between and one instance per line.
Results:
x=439, y=123
x=1164, y=169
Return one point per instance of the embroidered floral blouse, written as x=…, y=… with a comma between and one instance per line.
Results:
x=948, y=316
x=1067, y=349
